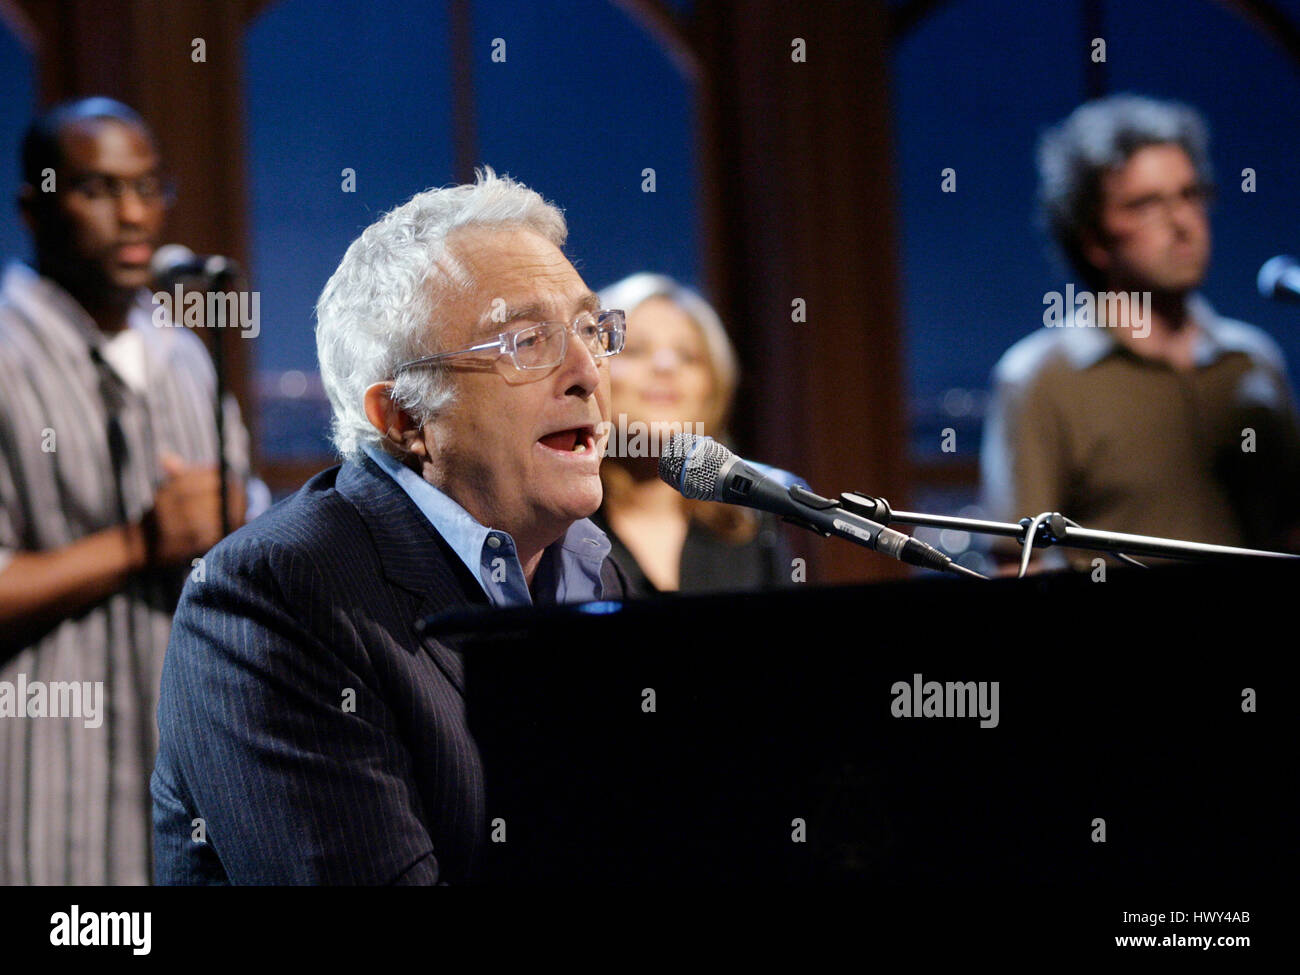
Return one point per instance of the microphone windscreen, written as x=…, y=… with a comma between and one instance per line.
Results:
x=168, y=257
x=1270, y=280
x=673, y=459
x=691, y=464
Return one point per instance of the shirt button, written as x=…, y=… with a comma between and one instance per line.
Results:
x=493, y=541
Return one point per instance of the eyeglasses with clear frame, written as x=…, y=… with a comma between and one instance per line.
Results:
x=545, y=344
x=153, y=190
x=1197, y=197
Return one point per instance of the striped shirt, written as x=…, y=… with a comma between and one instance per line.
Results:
x=79, y=453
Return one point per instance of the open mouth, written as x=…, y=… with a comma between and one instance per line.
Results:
x=575, y=440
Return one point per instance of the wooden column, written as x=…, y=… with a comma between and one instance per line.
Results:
x=799, y=202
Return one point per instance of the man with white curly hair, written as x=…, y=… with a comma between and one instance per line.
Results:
x=309, y=734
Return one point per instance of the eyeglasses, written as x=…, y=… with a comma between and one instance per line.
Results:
x=1145, y=209
x=545, y=344
x=100, y=187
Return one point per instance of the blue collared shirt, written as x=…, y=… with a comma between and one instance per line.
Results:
x=569, y=571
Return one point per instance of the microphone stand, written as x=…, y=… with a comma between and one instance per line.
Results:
x=209, y=279
x=219, y=271
x=219, y=368
x=852, y=526
x=1053, y=528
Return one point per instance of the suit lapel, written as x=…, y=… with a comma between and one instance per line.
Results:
x=414, y=556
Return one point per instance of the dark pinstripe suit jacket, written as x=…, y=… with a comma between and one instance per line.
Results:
x=302, y=719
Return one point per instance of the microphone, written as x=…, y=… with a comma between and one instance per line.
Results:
x=784, y=478
x=703, y=469
x=1279, y=278
x=172, y=263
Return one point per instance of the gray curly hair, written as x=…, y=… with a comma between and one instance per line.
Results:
x=378, y=307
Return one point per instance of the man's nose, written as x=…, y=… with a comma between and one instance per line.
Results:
x=581, y=371
x=131, y=206
x=1186, y=215
x=1184, y=224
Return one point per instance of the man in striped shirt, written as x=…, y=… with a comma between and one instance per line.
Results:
x=108, y=492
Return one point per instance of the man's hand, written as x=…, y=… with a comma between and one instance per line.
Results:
x=37, y=588
x=186, y=517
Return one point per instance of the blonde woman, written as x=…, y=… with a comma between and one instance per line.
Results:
x=677, y=371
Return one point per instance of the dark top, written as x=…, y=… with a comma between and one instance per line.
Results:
x=710, y=563
x=307, y=726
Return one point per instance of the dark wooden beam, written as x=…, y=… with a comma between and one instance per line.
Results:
x=1270, y=20
x=674, y=34
x=1264, y=15
x=464, y=114
x=796, y=161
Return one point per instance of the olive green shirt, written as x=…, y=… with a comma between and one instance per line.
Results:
x=1082, y=425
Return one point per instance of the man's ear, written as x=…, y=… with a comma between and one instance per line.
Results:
x=1094, y=249
x=394, y=423
x=27, y=203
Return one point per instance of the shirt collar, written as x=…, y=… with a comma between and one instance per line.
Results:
x=44, y=300
x=1086, y=346
x=570, y=566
